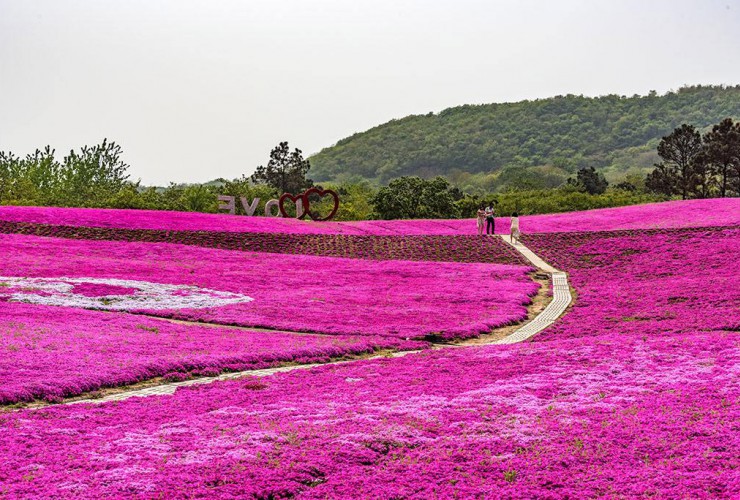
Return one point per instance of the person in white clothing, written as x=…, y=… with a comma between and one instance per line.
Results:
x=514, y=228
x=481, y=218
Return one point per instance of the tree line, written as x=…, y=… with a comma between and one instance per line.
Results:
x=692, y=166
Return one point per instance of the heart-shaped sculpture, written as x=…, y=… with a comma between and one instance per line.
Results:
x=302, y=207
x=321, y=193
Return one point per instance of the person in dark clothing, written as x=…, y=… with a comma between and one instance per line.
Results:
x=490, y=221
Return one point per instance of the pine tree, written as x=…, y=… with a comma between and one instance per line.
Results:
x=286, y=171
x=722, y=149
x=677, y=173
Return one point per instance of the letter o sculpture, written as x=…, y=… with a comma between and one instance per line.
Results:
x=269, y=206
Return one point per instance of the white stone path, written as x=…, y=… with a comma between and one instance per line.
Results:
x=561, y=298
x=560, y=301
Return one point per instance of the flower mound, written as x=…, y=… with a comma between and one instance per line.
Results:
x=689, y=276
x=50, y=353
x=290, y=292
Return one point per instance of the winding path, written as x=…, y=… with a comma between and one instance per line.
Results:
x=562, y=298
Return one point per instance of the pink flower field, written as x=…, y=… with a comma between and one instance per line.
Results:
x=287, y=292
x=634, y=392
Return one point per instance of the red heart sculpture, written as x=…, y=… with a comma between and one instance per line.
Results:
x=321, y=193
x=294, y=199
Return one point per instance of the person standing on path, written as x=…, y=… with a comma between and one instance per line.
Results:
x=481, y=218
x=514, y=233
x=490, y=222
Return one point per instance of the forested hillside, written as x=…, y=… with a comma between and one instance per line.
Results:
x=528, y=144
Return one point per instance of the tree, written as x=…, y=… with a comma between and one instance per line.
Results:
x=677, y=173
x=703, y=180
x=519, y=179
x=86, y=178
x=626, y=186
x=590, y=181
x=90, y=177
x=355, y=200
x=412, y=197
x=286, y=171
x=661, y=180
x=16, y=183
x=722, y=153
x=469, y=204
x=198, y=198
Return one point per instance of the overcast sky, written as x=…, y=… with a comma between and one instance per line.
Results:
x=198, y=90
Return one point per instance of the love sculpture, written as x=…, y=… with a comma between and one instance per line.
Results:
x=302, y=204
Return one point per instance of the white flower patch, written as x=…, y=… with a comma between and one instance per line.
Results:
x=146, y=295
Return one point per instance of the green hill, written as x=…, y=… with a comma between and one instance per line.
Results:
x=534, y=143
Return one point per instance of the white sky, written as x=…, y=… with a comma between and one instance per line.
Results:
x=198, y=90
